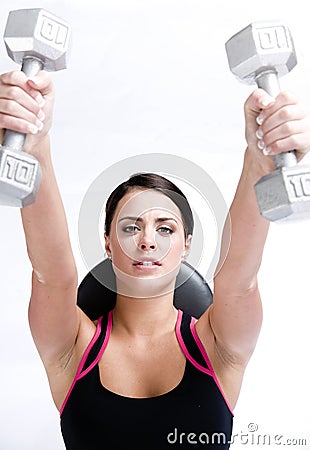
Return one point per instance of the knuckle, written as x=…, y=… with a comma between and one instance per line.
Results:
x=277, y=146
x=257, y=94
x=284, y=113
x=6, y=121
x=294, y=141
x=14, y=77
x=252, y=100
x=13, y=123
x=288, y=128
x=7, y=78
x=288, y=97
x=13, y=92
x=9, y=107
x=255, y=98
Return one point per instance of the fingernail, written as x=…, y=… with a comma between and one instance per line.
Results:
x=259, y=133
x=267, y=151
x=260, y=119
x=261, y=145
x=41, y=115
x=268, y=100
x=33, y=129
x=33, y=80
x=40, y=100
x=39, y=125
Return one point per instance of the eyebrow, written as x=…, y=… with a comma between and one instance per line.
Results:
x=139, y=219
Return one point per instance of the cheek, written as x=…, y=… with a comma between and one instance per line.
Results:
x=165, y=245
x=176, y=248
x=128, y=246
x=116, y=245
x=123, y=247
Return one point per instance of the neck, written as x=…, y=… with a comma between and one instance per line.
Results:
x=144, y=317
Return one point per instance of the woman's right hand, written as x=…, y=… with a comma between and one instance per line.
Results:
x=26, y=106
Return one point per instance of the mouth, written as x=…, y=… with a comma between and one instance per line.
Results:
x=147, y=263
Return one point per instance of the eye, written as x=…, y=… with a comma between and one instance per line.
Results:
x=165, y=230
x=132, y=229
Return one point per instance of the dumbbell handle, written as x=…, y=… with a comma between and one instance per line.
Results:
x=13, y=139
x=269, y=81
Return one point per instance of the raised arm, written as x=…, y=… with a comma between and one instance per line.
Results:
x=236, y=315
x=26, y=106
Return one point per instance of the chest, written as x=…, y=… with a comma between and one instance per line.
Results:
x=142, y=369
x=140, y=395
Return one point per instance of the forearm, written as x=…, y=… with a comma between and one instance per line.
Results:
x=46, y=229
x=236, y=314
x=245, y=232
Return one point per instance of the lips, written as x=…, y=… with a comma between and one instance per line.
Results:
x=147, y=263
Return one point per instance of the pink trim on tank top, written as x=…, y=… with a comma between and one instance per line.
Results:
x=79, y=374
x=207, y=360
x=102, y=349
x=183, y=346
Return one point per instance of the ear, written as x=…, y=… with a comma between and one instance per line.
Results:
x=107, y=246
x=187, y=247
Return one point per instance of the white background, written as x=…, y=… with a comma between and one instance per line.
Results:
x=152, y=76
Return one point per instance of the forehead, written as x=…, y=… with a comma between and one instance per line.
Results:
x=139, y=202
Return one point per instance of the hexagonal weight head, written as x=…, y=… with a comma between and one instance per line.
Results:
x=259, y=46
x=20, y=176
x=39, y=34
x=284, y=195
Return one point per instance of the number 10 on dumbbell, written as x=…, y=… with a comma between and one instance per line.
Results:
x=260, y=53
x=37, y=40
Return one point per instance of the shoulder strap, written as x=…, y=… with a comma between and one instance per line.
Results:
x=189, y=343
x=96, y=346
x=92, y=353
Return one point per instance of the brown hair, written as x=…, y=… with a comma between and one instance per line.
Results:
x=150, y=181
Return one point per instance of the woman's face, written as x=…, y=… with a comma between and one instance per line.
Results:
x=146, y=243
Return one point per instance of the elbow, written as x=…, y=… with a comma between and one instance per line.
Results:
x=234, y=287
x=63, y=280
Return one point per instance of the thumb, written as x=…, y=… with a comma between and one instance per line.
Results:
x=258, y=101
x=41, y=82
x=255, y=108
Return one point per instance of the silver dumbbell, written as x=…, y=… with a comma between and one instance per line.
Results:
x=261, y=53
x=37, y=40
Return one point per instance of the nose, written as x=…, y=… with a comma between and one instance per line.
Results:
x=147, y=242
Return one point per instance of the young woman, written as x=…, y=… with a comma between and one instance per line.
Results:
x=146, y=375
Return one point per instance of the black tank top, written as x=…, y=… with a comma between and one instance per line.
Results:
x=193, y=414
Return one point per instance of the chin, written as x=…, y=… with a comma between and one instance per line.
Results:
x=146, y=286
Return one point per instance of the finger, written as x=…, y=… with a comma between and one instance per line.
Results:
x=283, y=100
x=285, y=121
x=19, y=79
x=21, y=125
x=283, y=132
x=293, y=142
x=11, y=109
x=11, y=96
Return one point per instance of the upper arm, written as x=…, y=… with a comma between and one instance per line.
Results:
x=235, y=323
x=54, y=319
